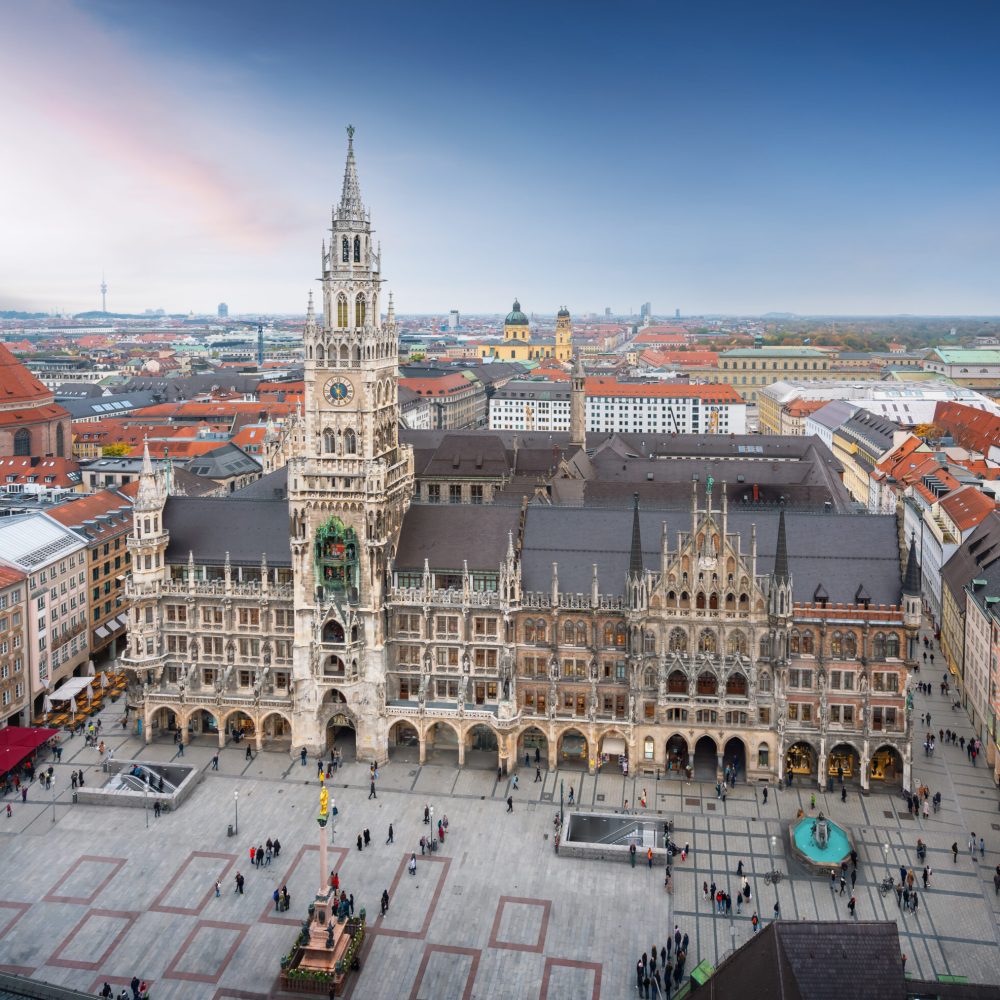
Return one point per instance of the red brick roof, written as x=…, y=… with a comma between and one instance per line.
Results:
x=73, y=513
x=721, y=393
x=17, y=384
x=680, y=359
x=64, y=471
x=974, y=429
x=967, y=507
x=9, y=576
x=445, y=385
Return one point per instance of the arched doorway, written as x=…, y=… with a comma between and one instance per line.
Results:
x=533, y=747
x=203, y=725
x=276, y=732
x=441, y=745
x=163, y=722
x=341, y=737
x=404, y=742
x=239, y=727
x=481, y=747
x=886, y=767
x=843, y=764
x=613, y=751
x=706, y=762
x=735, y=758
x=677, y=756
x=573, y=751
x=800, y=762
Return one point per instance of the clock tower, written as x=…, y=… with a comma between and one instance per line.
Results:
x=348, y=487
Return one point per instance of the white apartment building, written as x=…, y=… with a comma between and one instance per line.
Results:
x=613, y=406
x=55, y=560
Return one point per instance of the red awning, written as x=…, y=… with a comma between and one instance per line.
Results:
x=18, y=742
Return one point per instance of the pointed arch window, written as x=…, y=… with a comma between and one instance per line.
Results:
x=892, y=646
x=850, y=646
x=648, y=642
x=329, y=442
x=737, y=644
x=60, y=441
x=765, y=646
x=359, y=311
x=678, y=641
x=342, y=311
x=677, y=683
x=345, y=250
x=22, y=442
x=350, y=442
x=357, y=249
x=706, y=642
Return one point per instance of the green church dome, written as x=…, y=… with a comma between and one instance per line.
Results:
x=515, y=317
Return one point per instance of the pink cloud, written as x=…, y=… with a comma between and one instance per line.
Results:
x=85, y=81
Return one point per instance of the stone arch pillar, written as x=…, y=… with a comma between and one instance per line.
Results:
x=222, y=734
x=258, y=733
x=147, y=729
x=422, y=737
x=780, y=761
x=553, y=749
x=821, y=764
x=461, y=749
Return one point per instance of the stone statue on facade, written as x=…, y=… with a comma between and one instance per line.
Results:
x=422, y=692
x=632, y=710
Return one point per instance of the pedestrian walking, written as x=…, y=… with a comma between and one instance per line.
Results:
x=899, y=894
x=350, y=903
x=982, y=848
x=385, y=901
x=427, y=813
x=972, y=845
x=538, y=774
x=371, y=791
x=514, y=782
x=389, y=838
x=765, y=795
x=510, y=804
x=777, y=910
x=368, y=837
x=253, y=851
x=954, y=852
x=360, y=848
x=755, y=920
x=852, y=904
x=854, y=878
x=277, y=847
x=218, y=888
x=843, y=884
x=239, y=884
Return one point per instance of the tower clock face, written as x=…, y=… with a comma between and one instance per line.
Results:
x=339, y=391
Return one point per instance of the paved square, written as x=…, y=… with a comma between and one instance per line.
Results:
x=520, y=924
x=90, y=944
x=88, y=874
x=206, y=951
x=494, y=912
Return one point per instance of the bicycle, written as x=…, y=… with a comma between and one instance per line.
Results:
x=773, y=878
x=886, y=886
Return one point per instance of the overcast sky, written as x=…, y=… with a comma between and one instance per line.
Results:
x=714, y=157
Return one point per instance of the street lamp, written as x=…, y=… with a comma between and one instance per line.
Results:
x=433, y=838
x=53, y=788
x=333, y=819
x=885, y=852
x=145, y=798
x=236, y=804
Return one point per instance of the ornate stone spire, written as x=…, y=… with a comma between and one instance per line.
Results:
x=781, y=553
x=350, y=198
x=911, y=581
x=635, y=556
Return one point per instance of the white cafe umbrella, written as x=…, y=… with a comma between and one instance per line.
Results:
x=90, y=668
x=104, y=681
x=46, y=704
x=90, y=692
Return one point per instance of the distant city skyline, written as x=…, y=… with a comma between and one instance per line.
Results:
x=727, y=160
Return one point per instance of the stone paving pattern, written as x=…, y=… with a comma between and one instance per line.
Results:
x=95, y=895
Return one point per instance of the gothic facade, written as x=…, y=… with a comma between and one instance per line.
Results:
x=585, y=636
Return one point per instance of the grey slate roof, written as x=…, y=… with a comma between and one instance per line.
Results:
x=447, y=534
x=116, y=405
x=977, y=554
x=211, y=527
x=839, y=551
x=814, y=960
x=834, y=413
x=223, y=462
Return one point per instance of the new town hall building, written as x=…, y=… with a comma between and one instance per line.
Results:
x=678, y=630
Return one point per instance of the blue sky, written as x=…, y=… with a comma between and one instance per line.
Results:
x=714, y=157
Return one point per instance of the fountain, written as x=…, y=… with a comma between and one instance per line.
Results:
x=819, y=844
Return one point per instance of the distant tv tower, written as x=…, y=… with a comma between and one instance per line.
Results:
x=104, y=294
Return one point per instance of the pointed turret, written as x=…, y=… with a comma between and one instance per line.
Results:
x=911, y=580
x=781, y=552
x=635, y=555
x=350, y=199
x=390, y=316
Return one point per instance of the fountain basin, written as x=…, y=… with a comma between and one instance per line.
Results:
x=817, y=857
